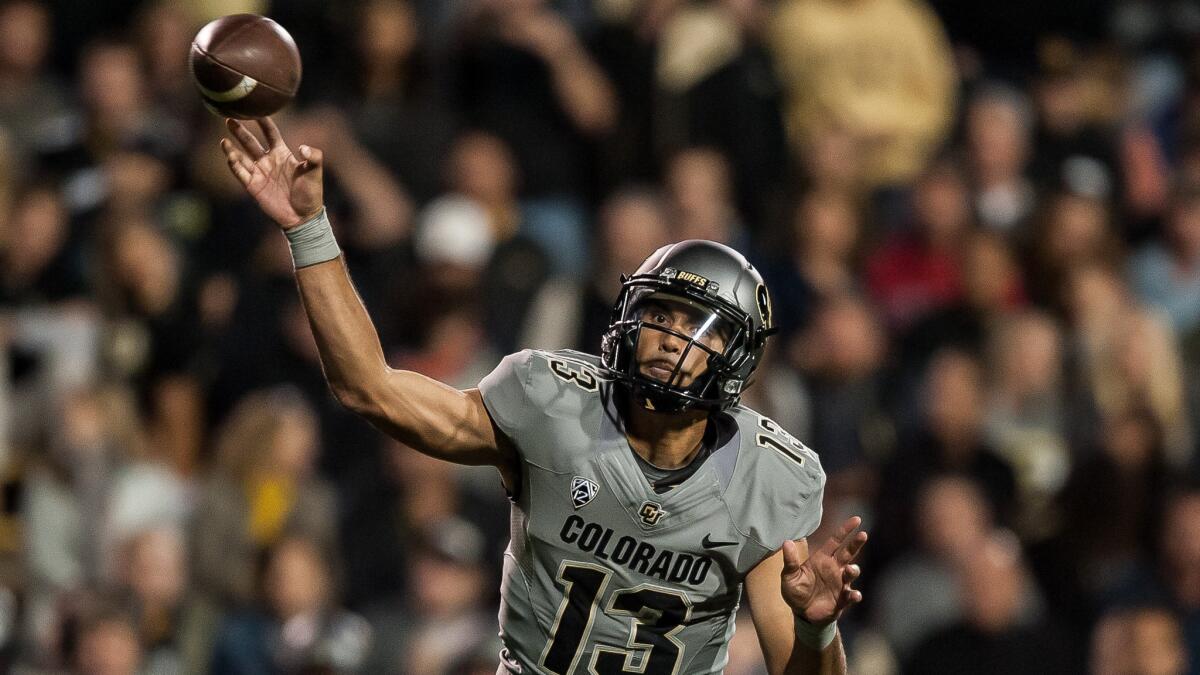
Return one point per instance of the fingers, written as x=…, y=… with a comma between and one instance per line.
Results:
x=249, y=143
x=312, y=159
x=271, y=132
x=233, y=154
x=850, y=596
x=850, y=573
x=850, y=550
x=239, y=164
x=791, y=557
x=831, y=546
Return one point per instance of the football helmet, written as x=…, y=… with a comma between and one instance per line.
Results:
x=729, y=318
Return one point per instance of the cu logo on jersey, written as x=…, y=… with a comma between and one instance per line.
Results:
x=582, y=491
x=651, y=513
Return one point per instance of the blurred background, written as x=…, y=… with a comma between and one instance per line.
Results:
x=980, y=223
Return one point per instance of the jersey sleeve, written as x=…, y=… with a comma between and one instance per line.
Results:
x=778, y=489
x=808, y=508
x=505, y=395
x=788, y=507
x=797, y=496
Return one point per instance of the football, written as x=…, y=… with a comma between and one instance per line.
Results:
x=245, y=66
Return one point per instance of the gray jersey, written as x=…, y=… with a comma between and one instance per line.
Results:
x=602, y=574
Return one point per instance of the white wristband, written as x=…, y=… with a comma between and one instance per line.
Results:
x=312, y=241
x=813, y=636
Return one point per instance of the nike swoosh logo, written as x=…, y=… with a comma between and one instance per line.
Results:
x=709, y=543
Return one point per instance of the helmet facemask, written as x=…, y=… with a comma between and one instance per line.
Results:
x=710, y=340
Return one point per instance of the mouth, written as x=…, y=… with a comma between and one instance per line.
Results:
x=659, y=369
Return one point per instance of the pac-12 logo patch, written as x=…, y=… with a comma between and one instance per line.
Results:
x=651, y=513
x=583, y=491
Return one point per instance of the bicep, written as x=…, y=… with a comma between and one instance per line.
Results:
x=440, y=421
x=771, y=615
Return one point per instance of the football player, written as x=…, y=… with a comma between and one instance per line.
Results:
x=644, y=497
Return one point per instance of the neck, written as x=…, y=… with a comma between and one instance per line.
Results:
x=666, y=440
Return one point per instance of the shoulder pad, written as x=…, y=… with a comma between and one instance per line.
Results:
x=778, y=485
x=562, y=382
x=532, y=387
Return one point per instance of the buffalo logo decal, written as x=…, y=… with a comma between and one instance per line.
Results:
x=764, y=305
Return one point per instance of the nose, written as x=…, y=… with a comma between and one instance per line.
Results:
x=669, y=342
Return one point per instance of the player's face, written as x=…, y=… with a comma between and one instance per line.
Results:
x=659, y=348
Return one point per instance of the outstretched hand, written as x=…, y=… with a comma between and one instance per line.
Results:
x=286, y=187
x=819, y=589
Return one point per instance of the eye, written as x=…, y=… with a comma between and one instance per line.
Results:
x=658, y=317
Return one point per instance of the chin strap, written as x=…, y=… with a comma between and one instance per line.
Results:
x=659, y=402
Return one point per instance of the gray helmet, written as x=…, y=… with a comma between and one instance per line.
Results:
x=731, y=299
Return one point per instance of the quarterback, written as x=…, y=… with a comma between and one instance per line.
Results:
x=644, y=497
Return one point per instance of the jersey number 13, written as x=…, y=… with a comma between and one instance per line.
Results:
x=655, y=615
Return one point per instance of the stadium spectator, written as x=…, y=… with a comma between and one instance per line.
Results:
x=393, y=79
x=949, y=438
x=163, y=31
x=1138, y=640
x=1165, y=273
x=699, y=189
x=832, y=161
x=116, y=116
x=521, y=73
x=820, y=258
x=449, y=578
x=70, y=510
x=999, y=129
x=992, y=290
x=878, y=70
x=1180, y=565
x=827, y=233
x=840, y=358
x=525, y=256
x=29, y=91
x=108, y=645
x=417, y=493
x=1004, y=629
x=40, y=264
x=1026, y=417
x=919, y=594
x=262, y=492
x=1076, y=231
x=1127, y=357
x=145, y=292
x=481, y=166
x=175, y=628
x=918, y=270
x=1077, y=101
x=299, y=626
x=1106, y=512
x=717, y=88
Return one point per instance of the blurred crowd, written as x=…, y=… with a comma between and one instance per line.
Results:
x=980, y=223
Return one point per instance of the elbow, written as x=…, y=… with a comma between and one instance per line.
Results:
x=358, y=400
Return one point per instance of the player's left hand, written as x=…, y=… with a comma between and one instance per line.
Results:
x=819, y=589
